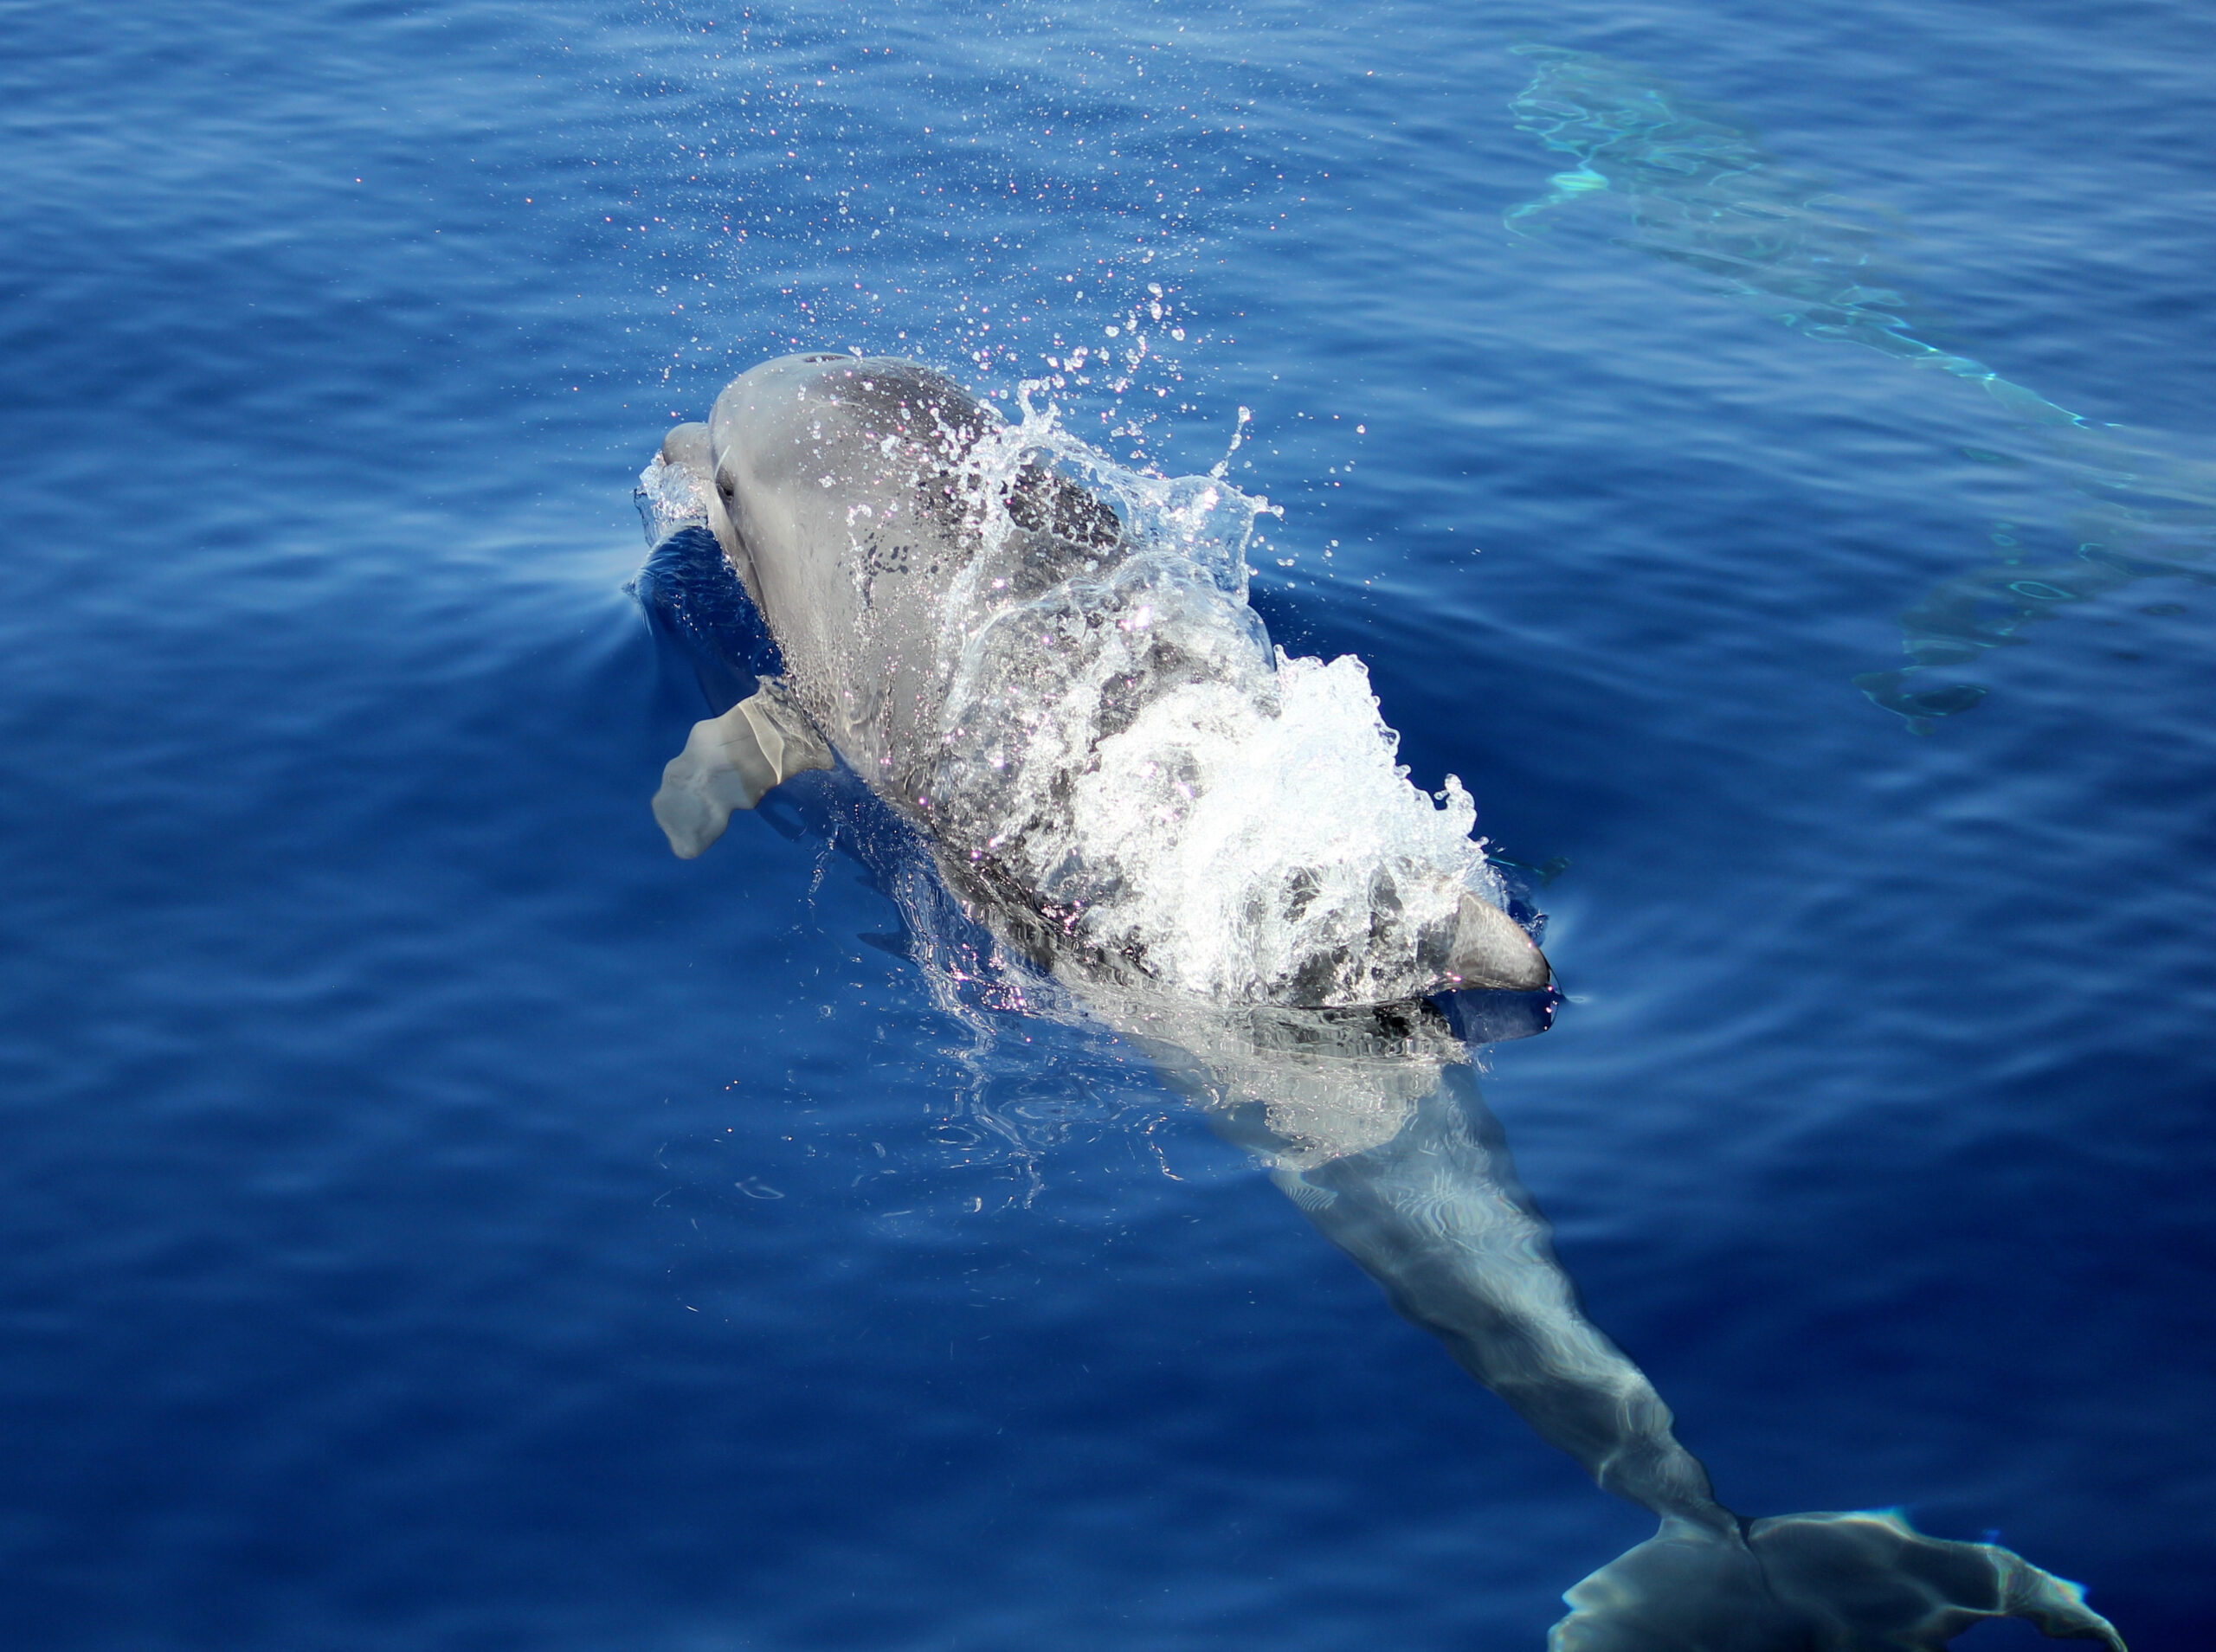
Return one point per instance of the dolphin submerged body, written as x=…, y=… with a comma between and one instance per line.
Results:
x=1048, y=669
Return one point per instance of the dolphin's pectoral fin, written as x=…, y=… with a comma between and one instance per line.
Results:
x=1491, y=951
x=1848, y=1582
x=730, y=762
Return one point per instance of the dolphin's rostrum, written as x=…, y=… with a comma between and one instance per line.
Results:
x=1061, y=687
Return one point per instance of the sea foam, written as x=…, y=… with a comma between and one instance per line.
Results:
x=1231, y=821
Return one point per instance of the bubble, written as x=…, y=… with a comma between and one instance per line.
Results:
x=1188, y=801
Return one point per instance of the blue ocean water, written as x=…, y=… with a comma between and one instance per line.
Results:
x=1762, y=451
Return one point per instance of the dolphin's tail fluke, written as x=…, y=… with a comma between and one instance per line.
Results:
x=1865, y=1582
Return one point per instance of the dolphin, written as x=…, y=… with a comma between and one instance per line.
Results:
x=855, y=500
x=896, y=543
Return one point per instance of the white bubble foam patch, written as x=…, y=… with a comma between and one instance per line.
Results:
x=1226, y=821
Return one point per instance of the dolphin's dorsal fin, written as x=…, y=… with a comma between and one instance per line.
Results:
x=1491, y=951
x=730, y=762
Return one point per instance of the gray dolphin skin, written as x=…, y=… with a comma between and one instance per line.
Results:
x=843, y=491
x=837, y=488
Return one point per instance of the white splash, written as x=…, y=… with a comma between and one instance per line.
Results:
x=669, y=497
x=1230, y=821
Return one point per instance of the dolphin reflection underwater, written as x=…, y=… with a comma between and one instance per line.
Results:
x=1044, y=669
x=1704, y=194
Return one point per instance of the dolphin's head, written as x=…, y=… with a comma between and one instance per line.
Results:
x=874, y=425
x=871, y=425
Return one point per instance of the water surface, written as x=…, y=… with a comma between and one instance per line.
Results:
x=438, y=1218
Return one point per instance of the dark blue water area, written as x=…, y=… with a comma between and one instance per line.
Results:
x=435, y=1217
